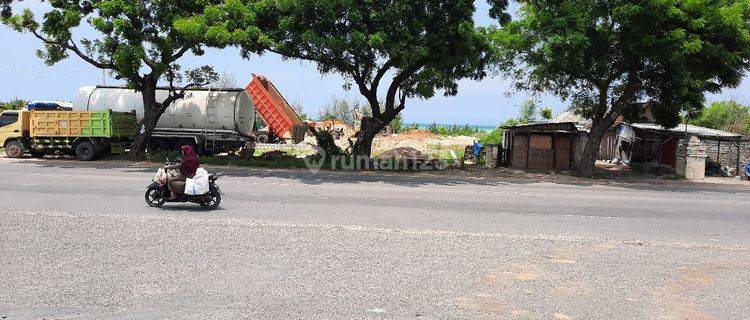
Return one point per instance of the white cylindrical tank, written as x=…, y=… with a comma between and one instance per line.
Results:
x=201, y=109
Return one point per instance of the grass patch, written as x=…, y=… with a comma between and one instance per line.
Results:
x=292, y=151
x=239, y=162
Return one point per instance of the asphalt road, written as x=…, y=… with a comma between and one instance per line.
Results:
x=78, y=242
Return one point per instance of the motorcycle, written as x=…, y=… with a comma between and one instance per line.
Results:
x=158, y=193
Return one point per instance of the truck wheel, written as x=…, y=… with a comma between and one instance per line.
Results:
x=86, y=151
x=14, y=149
x=262, y=138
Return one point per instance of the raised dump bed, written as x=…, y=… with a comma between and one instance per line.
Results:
x=275, y=110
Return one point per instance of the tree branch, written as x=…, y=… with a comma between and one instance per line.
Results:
x=74, y=48
x=180, y=53
x=292, y=55
x=149, y=62
x=398, y=81
x=623, y=100
x=369, y=93
x=381, y=73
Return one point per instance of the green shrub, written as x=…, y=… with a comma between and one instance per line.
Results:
x=492, y=137
x=453, y=130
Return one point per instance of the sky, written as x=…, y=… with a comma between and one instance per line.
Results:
x=486, y=102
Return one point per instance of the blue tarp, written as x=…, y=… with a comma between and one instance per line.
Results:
x=747, y=169
x=45, y=106
x=477, y=148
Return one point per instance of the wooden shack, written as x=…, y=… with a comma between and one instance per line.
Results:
x=542, y=146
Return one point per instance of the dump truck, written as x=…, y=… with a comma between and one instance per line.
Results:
x=210, y=120
x=283, y=122
x=86, y=134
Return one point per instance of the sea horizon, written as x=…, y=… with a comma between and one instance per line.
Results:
x=485, y=127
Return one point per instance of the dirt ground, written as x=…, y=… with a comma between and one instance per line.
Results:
x=606, y=174
x=424, y=141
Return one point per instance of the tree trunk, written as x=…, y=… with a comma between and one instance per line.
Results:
x=370, y=128
x=591, y=151
x=143, y=138
x=152, y=111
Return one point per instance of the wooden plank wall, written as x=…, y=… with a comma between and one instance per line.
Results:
x=520, y=151
x=608, y=147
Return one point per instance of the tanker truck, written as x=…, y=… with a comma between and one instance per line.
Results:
x=212, y=121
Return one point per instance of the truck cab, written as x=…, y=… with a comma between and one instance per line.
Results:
x=11, y=130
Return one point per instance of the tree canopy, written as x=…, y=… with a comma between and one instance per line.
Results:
x=390, y=50
x=725, y=115
x=139, y=42
x=528, y=111
x=546, y=113
x=608, y=55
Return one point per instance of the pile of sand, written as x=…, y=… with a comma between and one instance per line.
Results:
x=422, y=141
x=403, y=153
x=416, y=134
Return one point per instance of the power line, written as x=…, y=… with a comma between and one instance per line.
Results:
x=14, y=69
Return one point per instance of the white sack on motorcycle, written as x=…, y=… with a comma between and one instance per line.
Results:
x=198, y=185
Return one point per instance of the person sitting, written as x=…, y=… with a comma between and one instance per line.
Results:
x=187, y=169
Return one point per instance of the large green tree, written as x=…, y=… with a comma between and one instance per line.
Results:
x=725, y=115
x=390, y=50
x=140, y=42
x=607, y=55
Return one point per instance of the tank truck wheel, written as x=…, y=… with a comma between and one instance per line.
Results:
x=262, y=138
x=86, y=151
x=14, y=149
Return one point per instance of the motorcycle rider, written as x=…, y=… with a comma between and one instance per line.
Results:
x=187, y=168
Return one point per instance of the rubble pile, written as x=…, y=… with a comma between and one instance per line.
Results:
x=403, y=153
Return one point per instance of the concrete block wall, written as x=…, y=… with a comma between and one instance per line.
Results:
x=728, y=153
x=579, y=144
x=691, y=159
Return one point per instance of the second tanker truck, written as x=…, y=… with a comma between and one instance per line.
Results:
x=212, y=120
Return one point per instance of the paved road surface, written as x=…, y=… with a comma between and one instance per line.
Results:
x=78, y=242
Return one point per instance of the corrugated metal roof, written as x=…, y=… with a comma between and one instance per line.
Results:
x=691, y=129
x=571, y=116
x=545, y=127
x=581, y=123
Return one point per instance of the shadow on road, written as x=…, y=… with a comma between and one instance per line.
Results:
x=454, y=178
x=186, y=207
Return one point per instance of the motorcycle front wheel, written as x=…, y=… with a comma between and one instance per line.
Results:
x=155, y=197
x=212, y=201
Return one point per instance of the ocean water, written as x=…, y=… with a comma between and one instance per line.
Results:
x=483, y=127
